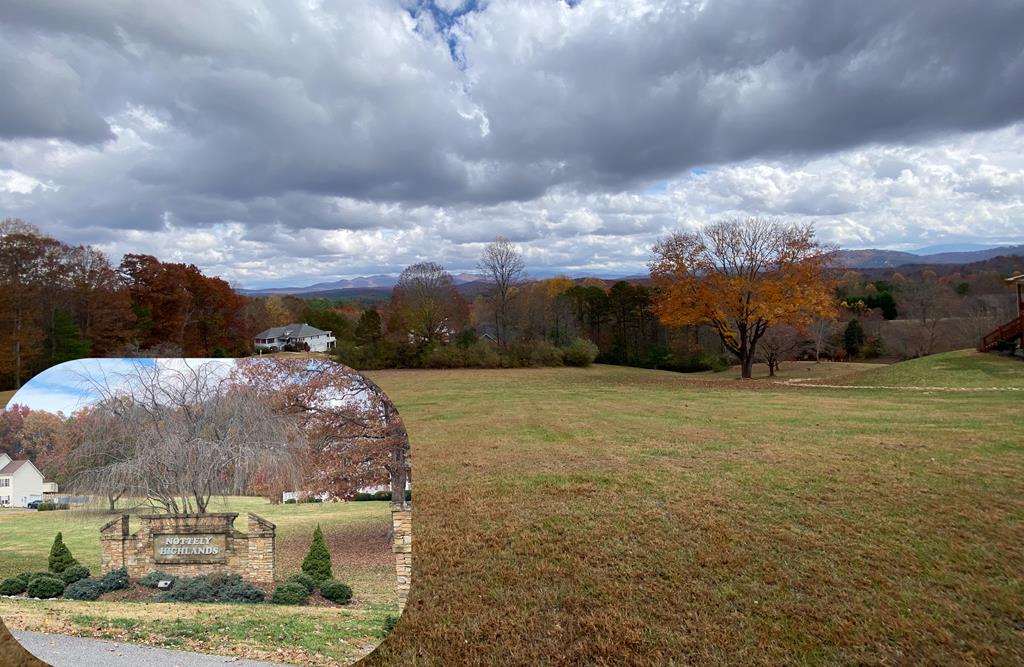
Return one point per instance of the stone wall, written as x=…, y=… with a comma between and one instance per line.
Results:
x=249, y=555
x=401, y=521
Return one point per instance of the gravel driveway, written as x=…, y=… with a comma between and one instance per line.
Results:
x=63, y=651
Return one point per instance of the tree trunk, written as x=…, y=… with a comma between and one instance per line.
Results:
x=747, y=366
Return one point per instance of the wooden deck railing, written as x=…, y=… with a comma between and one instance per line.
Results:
x=1009, y=331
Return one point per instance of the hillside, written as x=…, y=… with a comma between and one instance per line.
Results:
x=959, y=369
x=873, y=258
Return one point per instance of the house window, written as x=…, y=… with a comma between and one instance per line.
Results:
x=6, y=481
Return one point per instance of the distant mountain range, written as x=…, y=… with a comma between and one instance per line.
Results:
x=373, y=283
x=876, y=259
x=378, y=287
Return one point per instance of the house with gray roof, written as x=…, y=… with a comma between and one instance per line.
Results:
x=295, y=336
x=20, y=482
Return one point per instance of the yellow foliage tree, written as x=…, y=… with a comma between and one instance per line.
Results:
x=742, y=277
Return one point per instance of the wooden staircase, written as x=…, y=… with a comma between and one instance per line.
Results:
x=1011, y=330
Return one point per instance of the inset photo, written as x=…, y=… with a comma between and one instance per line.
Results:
x=201, y=509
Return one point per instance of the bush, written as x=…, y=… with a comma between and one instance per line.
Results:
x=45, y=587
x=75, y=573
x=12, y=586
x=303, y=580
x=114, y=580
x=26, y=577
x=84, y=589
x=214, y=588
x=336, y=591
x=49, y=506
x=317, y=563
x=152, y=579
x=289, y=593
x=290, y=501
x=241, y=592
x=60, y=555
x=581, y=352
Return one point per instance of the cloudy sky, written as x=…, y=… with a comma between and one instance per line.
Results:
x=287, y=142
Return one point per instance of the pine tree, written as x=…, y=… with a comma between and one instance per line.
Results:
x=317, y=563
x=853, y=338
x=60, y=556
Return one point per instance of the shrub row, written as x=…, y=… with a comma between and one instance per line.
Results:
x=580, y=352
x=299, y=587
x=91, y=588
x=50, y=506
x=214, y=588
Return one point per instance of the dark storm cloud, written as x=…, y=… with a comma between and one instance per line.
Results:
x=447, y=122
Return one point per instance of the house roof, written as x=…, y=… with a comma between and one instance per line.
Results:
x=12, y=467
x=292, y=331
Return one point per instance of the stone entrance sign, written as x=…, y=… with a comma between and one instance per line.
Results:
x=190, y=545
x=169, y=549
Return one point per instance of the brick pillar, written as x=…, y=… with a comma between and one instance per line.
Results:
x=112, y=543
x=401, y=522
x=261, y=563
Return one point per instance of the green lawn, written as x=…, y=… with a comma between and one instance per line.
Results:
x=621, y=516
x=609, y=515
x=963, y=368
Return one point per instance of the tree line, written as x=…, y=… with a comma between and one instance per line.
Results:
x=741, y=290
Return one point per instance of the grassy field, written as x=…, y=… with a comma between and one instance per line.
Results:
x=621, y=516
x=356, y=533
x=612, y=516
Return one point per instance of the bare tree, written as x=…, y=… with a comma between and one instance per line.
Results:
x=503, y=266
x=425, y=304
x=821, y=330
x=180, y=434
x=927, y=302
x=777, y=345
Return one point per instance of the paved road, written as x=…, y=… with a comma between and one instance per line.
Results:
x=63, y=651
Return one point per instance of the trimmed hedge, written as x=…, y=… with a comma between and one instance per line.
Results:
x=336, y=591
x=289, y=592
x=49, y=507
x=45, y=587
x=75, y=573
x=84, y=589
x=12, y=586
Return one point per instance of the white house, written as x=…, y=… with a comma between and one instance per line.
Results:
x=20, y=482
x=276, y=338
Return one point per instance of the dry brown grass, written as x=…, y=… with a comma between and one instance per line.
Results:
x=619, y=516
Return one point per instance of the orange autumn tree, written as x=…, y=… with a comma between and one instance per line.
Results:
x=355, y=436
x=742, y=277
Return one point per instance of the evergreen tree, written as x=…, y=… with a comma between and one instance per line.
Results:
x=60, y=556
x=66, y=341
x=853, y=338
x=369, y=328
x=317, y=563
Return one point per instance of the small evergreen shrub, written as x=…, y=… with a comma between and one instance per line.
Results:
x=49, y=507
x=290, y=501
x=336, y=591
x=317, y=562
x=45, y=587
x=12, y=586
x=152, y=579
x=304, y=580
x=193, y=589
x=84, y=589
x=241, y=592
x=581, y=352
x=114, y=580
x=289, y=593
x=75, y=573
x=27, y=577
x=60, y=555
